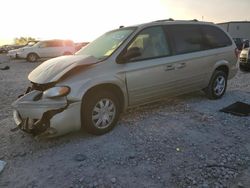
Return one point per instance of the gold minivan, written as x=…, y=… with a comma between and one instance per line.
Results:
x=124, y=68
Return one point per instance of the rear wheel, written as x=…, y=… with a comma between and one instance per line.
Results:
x=100, y=112
x=32, y=57
x=217, y=85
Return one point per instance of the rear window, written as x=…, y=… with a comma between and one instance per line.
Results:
x=215, y=37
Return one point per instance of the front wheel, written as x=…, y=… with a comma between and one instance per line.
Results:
x=32, y=57
x=217, y=85
x=100, y=112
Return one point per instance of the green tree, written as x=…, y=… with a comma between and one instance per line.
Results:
x=23, y=40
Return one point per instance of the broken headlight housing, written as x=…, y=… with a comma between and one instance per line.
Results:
x=57, y=91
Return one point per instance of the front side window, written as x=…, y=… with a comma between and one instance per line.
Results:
x=150, y=43
x=105, y=45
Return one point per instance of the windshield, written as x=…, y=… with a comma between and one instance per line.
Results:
x=105, y=45
x=31, y=43
x=38, y=43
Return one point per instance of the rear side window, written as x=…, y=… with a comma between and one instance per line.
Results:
x=215, y=37
x=68, y=43
x=57, y=43
x=54, y=43
x=185, y=38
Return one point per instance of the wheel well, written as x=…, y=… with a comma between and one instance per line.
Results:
x=33, y=53
x=107, y=87
x=223, y=68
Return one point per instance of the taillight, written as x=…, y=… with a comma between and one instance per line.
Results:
x=237, y=52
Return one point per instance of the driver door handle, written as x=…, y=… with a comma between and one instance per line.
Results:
x=169, y=68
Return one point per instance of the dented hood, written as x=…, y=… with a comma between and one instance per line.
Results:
x=53, y=69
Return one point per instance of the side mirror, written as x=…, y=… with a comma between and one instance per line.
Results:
x=128, y=55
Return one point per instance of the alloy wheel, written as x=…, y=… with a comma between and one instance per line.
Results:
x=103, y=113
x=219, y=85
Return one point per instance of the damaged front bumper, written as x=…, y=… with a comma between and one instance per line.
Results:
x=46, y=117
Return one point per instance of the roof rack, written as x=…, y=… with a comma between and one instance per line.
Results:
x=170, y=19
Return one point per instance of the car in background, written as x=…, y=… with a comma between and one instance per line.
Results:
x=79, y=45
x=246, y=44
x=239, y=42
x=15, y=48
x=244, y=59
x=46, y=49
x=5, y=48
x=122, y=69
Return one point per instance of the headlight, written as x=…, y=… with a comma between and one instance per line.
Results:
x=57, y=91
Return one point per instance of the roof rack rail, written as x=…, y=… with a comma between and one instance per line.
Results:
x=194, y=20
x=170, y=19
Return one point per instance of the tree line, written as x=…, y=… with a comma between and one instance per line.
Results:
x=23, y=40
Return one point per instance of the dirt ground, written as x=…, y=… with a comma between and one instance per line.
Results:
x=180, y=142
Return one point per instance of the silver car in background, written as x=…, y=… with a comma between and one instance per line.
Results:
x=244, y=59
x=124, y=68
x=44, y=49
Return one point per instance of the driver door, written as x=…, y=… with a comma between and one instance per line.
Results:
x=149, y=74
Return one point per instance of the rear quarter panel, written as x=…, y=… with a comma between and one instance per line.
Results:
x=221, y=57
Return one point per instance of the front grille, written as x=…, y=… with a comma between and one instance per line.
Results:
x=243, y=59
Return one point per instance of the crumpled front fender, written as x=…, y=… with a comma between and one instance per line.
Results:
x=32, y=106
x=33, y=113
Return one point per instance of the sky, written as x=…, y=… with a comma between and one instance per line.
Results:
x=84, y=20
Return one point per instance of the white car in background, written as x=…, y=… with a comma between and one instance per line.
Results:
x=12, y=53
x=45, y=49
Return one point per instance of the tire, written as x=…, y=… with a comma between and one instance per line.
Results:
x=217, y=85
x=95, y=108
x=32, y=57
x=245, y=68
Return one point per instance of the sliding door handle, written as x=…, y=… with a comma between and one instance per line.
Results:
x=180, y=65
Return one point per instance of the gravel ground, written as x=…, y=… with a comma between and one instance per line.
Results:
x=180, y=142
